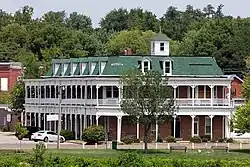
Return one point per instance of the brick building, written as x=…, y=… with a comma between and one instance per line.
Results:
x=92, y=91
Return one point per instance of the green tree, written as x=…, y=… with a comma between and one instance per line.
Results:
x=137, y=40
x=24, y=15
x=17, y=98
x=115, y=20
x=20, y=133
x=246, y=88
x=55, y=17
x=93, y=134
x=147, y=97
x=241, y=119
x=79, y=22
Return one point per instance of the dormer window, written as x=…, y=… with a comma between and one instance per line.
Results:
x=162, y=47
x=145, y=66
x=74, y=66
x=65, y=67
x=167, y=67
x=92, y=67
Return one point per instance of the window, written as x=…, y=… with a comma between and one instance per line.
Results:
x=47, y=89
x=153, y=47
x=207, y=126
x=145, y=66
x=115, y=92
x=42, y=92
x=68, y=92
x=109, y=92
x=73, y=92
x=167, y=68
x=78, y=90
x=161, y=46
x=53, y=91
x=37, y=91
x=32, y=91
x=196, y=126
x=28, y=92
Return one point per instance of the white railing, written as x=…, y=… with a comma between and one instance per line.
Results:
x=113, y=101
x=202, y=102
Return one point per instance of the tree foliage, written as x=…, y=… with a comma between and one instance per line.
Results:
x=137, y=40
x=17, y=98
x=20, y=132
x=241, y=119
x=152, y=99
x=94, y=134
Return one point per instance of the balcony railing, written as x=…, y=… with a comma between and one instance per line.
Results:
x=115, y=102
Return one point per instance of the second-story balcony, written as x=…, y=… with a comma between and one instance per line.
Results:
x=93, y=95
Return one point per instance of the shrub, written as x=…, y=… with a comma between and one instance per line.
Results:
x=127, y=140
x=204, y=140
x=221, y=140
x=136, y=140
x=230, y=140
x=208, y=137
x=196, y=139
x=170, y=139
x=159, y=139
x=93, y=134
x=67, y=134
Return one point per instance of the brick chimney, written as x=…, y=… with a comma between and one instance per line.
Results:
x=128, y=51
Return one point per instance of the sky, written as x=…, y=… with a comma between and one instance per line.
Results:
x=96, y=10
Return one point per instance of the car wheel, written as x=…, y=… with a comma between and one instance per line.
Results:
x=61, y=140
x=45, y=139
x=35, y=140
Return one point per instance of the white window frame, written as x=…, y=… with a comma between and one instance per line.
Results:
x=170, y=67
x=143, y=65
x=65, y=69
x=56, y=68
x=196, y=120
x=73, y=69
x=163, y=46
x=83, y=67
x=208, y=123
x=92, y=67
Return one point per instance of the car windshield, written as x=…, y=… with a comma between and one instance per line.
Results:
x=40, y=131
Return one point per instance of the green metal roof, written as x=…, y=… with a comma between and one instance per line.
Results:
x=160, y=37
x=116, y=65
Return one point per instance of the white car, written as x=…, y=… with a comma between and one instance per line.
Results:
x=46, y=136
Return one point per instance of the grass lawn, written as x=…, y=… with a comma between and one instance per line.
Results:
x=103, y=153
x=204, y=154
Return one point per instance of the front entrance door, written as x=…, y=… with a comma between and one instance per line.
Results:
x=177, y=128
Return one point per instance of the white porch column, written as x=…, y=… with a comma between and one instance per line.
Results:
x=39, y=119
x=90, y=118
x=30, y=118
x=80, y=126
x=137, y=129
x=174, y=86
x=192, y=116
x=76, y=132
x=223, y=127
x=25, y=118
x=35, y=119
x=97, y=118
x=85, y=120
x=212, y=93
x=174, y=125
x=65, y=121
x=193, y=86
x=229, y=94
x=71, y=122
x=156, y=130
x=44, y=121
x=97, y=100
x=119, y=128
x=22, y=120
x=211, y=117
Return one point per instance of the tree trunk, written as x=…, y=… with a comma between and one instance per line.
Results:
x=146, y=129
x=20, y=144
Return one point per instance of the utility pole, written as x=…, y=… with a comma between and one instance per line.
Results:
x=59, y=116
